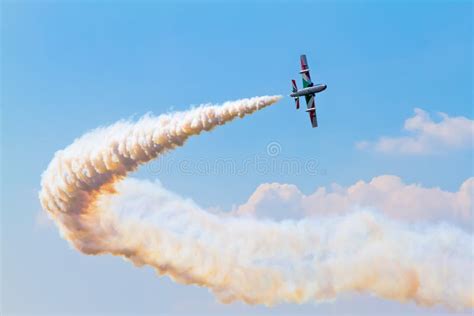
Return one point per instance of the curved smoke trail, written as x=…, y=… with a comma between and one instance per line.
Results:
x=259, y=262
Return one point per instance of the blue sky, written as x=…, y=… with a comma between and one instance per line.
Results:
x=69, y=67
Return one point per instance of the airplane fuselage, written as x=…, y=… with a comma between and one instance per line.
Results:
x=309, y=90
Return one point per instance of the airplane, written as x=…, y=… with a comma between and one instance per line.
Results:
x=309, y=91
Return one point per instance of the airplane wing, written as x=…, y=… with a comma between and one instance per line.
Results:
x=312, y=117
x=305, y=72
x=311, y=109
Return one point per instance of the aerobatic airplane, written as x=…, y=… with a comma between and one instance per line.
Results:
x=309, y=91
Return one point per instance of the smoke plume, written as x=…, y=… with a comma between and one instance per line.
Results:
x=256, y=261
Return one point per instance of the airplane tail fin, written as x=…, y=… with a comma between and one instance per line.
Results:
x=295, y=89
x=293, y=85
x=297, y=101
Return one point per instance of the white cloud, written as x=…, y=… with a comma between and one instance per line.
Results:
x=426, y=136
x=387, y=194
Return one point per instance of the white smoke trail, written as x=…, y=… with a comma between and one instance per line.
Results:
x=259, y=262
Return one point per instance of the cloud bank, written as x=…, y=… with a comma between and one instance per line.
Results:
x=426, y=136
x=386, y=194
